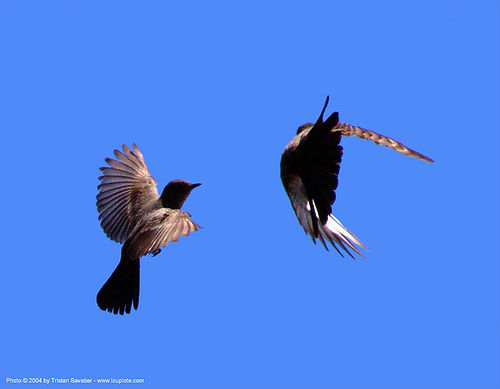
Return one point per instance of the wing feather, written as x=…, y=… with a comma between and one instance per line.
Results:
x=348, y=130
x=126, y=191
x=164, y=226
x=320, y=156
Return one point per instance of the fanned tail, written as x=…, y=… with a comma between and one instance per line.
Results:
x=348, y=130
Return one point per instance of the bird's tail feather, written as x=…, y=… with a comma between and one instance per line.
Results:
x=335, y=232
x=121, y=290
x=348, y=130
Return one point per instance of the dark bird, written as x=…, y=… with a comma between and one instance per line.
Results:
x=131, y=212
x=309, y=171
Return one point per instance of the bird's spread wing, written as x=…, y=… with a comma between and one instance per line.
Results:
x=332, y=231
x=161, y=227
x=319, y=169
x=126, y=188
x=348, y=130
x=318, y=155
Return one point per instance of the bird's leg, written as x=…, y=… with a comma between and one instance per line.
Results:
x=155, y=253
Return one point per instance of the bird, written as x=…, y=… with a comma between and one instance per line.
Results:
x=310, y=167
x=132, y=212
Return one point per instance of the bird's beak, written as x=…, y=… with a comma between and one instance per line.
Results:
x=194, y=186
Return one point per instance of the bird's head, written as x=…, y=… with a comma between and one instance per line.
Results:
x=176, y=192
x=304, y=127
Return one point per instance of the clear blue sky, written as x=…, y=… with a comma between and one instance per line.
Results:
x=212, y=94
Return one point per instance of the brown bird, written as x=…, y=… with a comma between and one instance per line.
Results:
x=131, y=212
x=310, y=167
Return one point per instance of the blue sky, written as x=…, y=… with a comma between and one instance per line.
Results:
x=212, y=93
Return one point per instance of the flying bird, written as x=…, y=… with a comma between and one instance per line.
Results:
x=132, y=212
x=310, y=167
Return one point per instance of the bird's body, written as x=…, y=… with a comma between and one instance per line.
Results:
x=310, y=166
x=132, y=212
